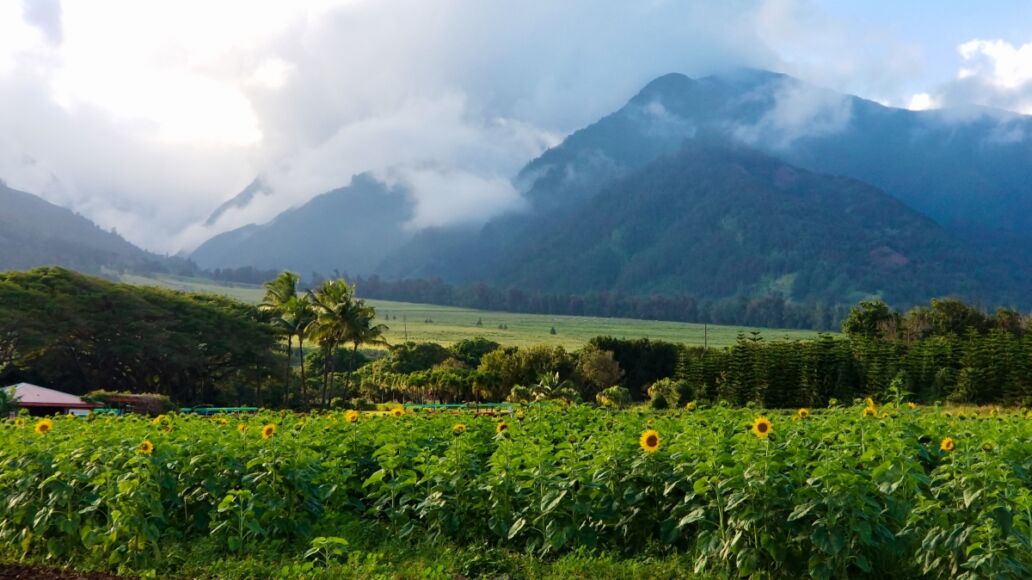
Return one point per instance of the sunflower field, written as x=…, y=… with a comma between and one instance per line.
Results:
x=826, y=493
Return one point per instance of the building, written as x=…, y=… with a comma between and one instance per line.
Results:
x=43, y=401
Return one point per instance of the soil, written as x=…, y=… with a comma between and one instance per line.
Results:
x=20, y=572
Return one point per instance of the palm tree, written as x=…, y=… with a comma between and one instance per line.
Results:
x=302, y=315
x=361, y=330
x=333, y=304
x=280, y=296
x=340, y=318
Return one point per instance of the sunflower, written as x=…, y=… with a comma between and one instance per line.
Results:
x=869, y=402
x=832, y=402
x=458, y=428
x=146, y=448
x=44, y=426
x=649, y=441
x=948, y=444
x=397, y=412
x=351, y=416
x=870, y=412
x=501, y=427
x=912, y=406
x=268, y=431
x=987, y=446
x=19, y=422
x=242, y=428
x=803, y=413
x=159, y=420
x=762, y=427
x=1028, y=415
x=690, y=406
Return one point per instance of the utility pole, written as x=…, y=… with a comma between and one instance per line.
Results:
x=404, y=322
x=705, y=335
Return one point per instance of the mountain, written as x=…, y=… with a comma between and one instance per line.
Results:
x=240, y=200
x=351, y=229
x=970, y=170
x=683, y=190
x=722, y=220
x=961, y=180
x=35, y=232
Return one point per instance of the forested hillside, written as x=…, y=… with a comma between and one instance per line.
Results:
x=34, y=232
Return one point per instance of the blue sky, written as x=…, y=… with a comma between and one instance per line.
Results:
x=937, y=28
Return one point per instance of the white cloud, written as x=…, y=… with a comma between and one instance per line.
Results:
x=997, y=62
x=992, y=73
x=148, y=115
x=922, y=102
x=799, y=110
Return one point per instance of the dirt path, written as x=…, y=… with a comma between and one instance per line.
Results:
x=20, y=572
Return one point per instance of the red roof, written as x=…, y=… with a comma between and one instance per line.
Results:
x=36, y=396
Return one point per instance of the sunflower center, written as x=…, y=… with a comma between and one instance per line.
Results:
x=762, y=427
x=652, y=441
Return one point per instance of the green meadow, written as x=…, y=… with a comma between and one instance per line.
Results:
x=446, y=324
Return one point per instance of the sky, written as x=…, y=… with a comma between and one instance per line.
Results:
x=147, y=115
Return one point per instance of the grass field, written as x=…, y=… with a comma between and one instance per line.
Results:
x=446, y=324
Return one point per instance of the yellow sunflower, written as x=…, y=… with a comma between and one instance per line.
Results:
x=501, y=427
x=268, y=431
x=870, y=412
x=690, y=406
x=762, y=427
x=19, y=422
x=242, y=428
x=803, y=413
x=649, y=441
x=458, y=429
x=351, y=416
x=869, y=402
x=44, y=426
x=948, y=444
x=146, y=448
x=1028, y=415
x=397, y=412
x=159, y=420
x=912, y=406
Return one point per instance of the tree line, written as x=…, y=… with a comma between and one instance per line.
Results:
x=324, y=347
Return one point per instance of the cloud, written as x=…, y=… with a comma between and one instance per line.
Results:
x=923, y=102
x=992, y=73
x=150, y=127
x=46, y=16
x=799, y=110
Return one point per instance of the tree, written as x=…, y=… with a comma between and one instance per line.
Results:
x=333, y=303
x=361, y=330
x=471, y=350
x=8, y=402
x=301, y=315
x=280, y=301
x=340, y=318
x=599, y=369
x=869, y=319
